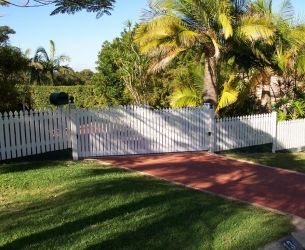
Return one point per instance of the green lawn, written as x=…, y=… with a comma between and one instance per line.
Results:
x=291, y=161
x=77, y=205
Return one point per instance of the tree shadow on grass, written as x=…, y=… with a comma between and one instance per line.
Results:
x=65, y=154
x=27, y=166
x=107, y=208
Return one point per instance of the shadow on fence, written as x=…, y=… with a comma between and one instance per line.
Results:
x=141, y=131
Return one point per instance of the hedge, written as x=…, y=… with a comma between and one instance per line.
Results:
x=37, y=97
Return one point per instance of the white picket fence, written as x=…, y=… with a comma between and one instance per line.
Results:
x=291, y=134
x=140, y=130
x=244, y=131
x=34, y=132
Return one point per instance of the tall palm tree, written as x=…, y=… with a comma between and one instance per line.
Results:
x=172, y=27
x=49, y=62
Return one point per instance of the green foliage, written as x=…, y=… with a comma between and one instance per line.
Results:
x=12, y=61
x=174, y=27
x=229, y=94
x=123, y=75
x=290, y=109
x=45, y=65
x=37, y=97
x=66, y=76
x=100, y=7
x=189, y=87
x=12, y=66
x=5, y=31
x=97, y=6
x=107, y=79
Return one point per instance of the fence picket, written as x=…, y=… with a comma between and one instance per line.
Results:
x=2, y=139
x=7, y=136
x=18, y=127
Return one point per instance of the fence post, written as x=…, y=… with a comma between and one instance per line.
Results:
x=74, y=133
x=212, y=132
x=274, y=131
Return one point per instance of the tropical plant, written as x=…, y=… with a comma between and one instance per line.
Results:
x=47, y=63
x=290, y=109
x=290, y=60
x=189, y=88
x=172, y=27
x=254, y=57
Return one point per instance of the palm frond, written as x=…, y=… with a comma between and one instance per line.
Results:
x=52, y=50
x=226, y=23
x=300, y=64
x=185, y=97
x=161, y=63
x=41, y=54
x=255, y=28
x=229, y=94
x=286, y=10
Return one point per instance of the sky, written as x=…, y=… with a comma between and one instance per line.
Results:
x=80, y=36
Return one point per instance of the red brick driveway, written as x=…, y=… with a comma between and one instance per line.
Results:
x=269, y=187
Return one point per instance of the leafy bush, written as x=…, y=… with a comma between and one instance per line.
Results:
x=288, y=109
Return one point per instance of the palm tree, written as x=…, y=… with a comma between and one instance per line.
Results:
x=256, y=57
x=290, y=59
x=35, y=68
x=172, y=27
x=49, y=63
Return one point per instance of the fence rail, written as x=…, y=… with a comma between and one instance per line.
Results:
x=140, y=130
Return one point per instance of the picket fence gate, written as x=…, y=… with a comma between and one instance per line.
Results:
x=140, y=130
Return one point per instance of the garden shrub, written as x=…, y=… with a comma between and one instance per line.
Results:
x=37, y=97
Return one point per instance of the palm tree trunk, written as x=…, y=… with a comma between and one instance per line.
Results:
x=210, y=92
x=266, y=94
x=52, y=77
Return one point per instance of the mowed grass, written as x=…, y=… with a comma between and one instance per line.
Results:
x=290, y=161
x=84, y=205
